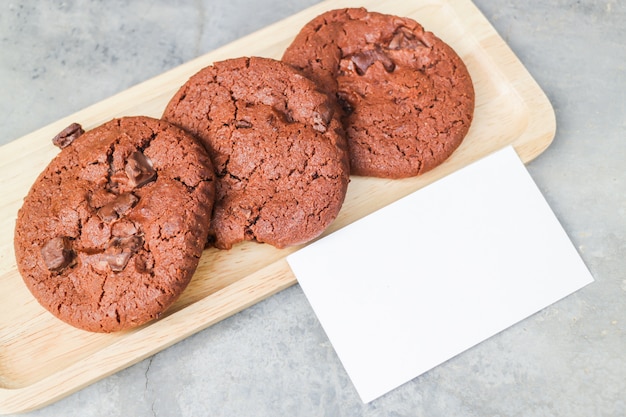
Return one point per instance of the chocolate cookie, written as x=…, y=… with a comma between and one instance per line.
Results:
x=111, y=232
x=407, y=96
x=277, y=147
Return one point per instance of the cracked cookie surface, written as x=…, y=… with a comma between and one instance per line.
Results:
x=113, y=229
x=277, y=147
x=407, y=97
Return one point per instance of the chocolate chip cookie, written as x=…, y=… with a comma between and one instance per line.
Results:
x=112, y=230
x=407, y=97
x=277, y=147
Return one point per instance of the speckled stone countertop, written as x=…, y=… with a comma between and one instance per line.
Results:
x=273, y=359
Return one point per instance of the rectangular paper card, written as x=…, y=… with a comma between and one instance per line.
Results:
x=414, y=284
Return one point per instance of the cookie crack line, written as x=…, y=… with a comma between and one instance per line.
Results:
x=190, y=187
x=248, y=230
x=235, y=102
x=102, y=293
x=110, y=157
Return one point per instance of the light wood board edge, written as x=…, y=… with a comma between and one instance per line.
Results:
x=541, y=128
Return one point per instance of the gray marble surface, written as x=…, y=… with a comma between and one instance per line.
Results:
x=273, y=358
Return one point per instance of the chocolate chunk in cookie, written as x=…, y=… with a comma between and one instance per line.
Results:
x=139, y=169
x=57, y=253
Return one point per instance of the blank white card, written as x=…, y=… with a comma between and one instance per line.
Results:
x=414, y=284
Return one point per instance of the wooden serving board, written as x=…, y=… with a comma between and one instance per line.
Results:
x=43, y=359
